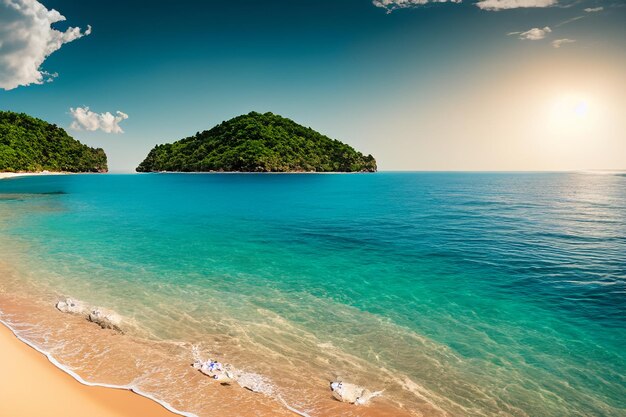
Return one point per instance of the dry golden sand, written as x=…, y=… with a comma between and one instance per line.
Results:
x=30, y=386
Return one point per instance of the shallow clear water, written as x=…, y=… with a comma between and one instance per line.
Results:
x=457, y=293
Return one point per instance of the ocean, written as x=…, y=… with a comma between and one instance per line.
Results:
x=456, y=294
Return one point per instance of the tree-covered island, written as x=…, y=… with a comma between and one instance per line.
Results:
x=28, y=144
x=257, y=142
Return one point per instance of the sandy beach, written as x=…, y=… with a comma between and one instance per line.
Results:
x=32, y=387
x=107, y=357
x=7, y=175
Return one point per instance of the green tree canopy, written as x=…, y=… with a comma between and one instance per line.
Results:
x=257, y=142
x=28, y=144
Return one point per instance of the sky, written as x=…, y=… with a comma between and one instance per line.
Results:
x=480, y=85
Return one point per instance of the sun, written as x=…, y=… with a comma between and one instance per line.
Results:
x=571, y=114
x=570, y=108
x=581, y=109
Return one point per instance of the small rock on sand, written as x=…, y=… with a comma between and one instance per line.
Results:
x=351, y=393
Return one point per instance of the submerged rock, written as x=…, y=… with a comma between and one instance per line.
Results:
x=353, y=394
x=72, y=306
x=106, y=319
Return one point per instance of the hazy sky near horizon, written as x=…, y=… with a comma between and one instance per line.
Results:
x=472, y=85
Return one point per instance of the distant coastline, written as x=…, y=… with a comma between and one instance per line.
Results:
x=256, y=173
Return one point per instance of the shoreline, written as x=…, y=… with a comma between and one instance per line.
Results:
x=9, y=175
x=55, y=386
x=101, y=358
x=102, y=348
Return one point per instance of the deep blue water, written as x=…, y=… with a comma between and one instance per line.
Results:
x=490, y=292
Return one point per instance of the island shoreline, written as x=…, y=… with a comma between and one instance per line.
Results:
x=10, y=175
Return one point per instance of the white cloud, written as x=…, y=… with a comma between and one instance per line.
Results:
x=391, y=5
x=493, y=5
x=558, y=42
x=568, y=21
x=533, y=34
x=594, y=9
x=496, y=5
x=85, y=119
x=27, y=39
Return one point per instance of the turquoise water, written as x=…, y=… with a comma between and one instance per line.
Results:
x=477, y=294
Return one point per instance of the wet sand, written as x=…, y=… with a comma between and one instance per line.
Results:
x=32, y=387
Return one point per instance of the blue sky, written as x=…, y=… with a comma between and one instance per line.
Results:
x=441, y=86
